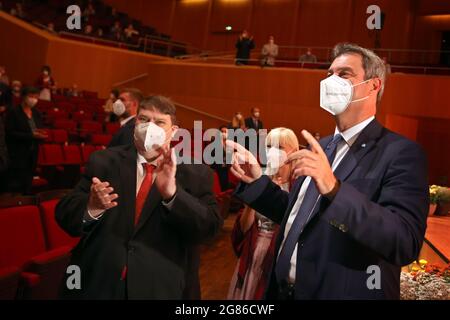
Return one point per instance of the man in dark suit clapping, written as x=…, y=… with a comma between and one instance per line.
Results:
x=141, y=216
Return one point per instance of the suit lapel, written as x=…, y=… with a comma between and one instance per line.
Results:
x=151, y=203
x=363, y=144
x=127, y=198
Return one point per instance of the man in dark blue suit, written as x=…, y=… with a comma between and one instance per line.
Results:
x=357, y=209
x=130, y=99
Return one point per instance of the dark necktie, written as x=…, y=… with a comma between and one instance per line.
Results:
x=283, y=264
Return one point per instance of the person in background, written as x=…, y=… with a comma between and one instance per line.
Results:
x=51, y=27
x=108, y=107
x=130, y=32
x=99, y=33
x=88, y=30
x=46, y=84
x=244, y=45
x=254, y=236
x=269, y=52
x=237, y=122
x=73, y=92
x=308, y=57
x=125, y=108
x=254, y=122
x=89, y=11
x=3, y=76
x=23, y=126
x=222, y=168
x=18, y=11
x=16, y=89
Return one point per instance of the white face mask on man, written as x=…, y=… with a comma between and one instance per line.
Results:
x=336, y=94
x=148, y=137
x=119, y=108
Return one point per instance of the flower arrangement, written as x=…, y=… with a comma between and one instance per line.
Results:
x=439, y=194
x=425, y=282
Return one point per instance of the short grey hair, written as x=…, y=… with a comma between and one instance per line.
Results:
x=373, y=65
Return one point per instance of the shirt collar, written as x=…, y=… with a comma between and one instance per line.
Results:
x=351, y=134
x=141, y=160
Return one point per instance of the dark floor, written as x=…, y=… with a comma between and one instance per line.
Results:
x=217, y=264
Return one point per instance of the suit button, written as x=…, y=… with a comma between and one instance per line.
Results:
x=131, y=249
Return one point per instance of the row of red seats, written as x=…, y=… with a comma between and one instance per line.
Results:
x=86, y=126
x=62, y=136
x=56, y=154
x=34, y=251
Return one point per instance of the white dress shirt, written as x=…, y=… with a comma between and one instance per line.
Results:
x=349, y=137
x=124, y=121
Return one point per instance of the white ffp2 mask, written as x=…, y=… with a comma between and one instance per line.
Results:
x=119, y=108
x=148, y=136
x=336, y=94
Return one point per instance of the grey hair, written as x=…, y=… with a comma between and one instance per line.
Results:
x=373, y=65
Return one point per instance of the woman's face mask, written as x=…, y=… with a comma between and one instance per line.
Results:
x=336, y=94
x=275, y=160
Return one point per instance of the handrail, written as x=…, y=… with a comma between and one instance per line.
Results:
x=121, y=83
x=201, y=112
x=96, y=40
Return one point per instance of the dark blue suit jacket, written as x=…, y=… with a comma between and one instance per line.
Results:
x=378, y=217
x=125, y=135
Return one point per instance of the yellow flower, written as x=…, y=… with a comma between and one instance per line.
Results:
x=423, y=262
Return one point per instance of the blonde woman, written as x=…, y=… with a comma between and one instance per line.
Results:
x=237, y=122
x=254, y=236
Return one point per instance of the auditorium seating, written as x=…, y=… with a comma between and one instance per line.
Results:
x=55, y=236
x=23, y=249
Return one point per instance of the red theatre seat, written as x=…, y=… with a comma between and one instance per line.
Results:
x=59, y=136
x=101, y=139
x=22, y=245
x=72, y=155
x=55, y=236
x=112, y=127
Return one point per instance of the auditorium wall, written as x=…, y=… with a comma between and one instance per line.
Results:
x=295, y=23
x=287, y=97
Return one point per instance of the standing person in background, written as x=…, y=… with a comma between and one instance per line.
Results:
x=308, y=57
x=222, y=168
x=126, y=108
x=23, y=125
x=237, y=122
x=46, y=83
x=253, y=236
x=16, y=89
x=254, y=122
x=244, y=45
x=269, y=52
